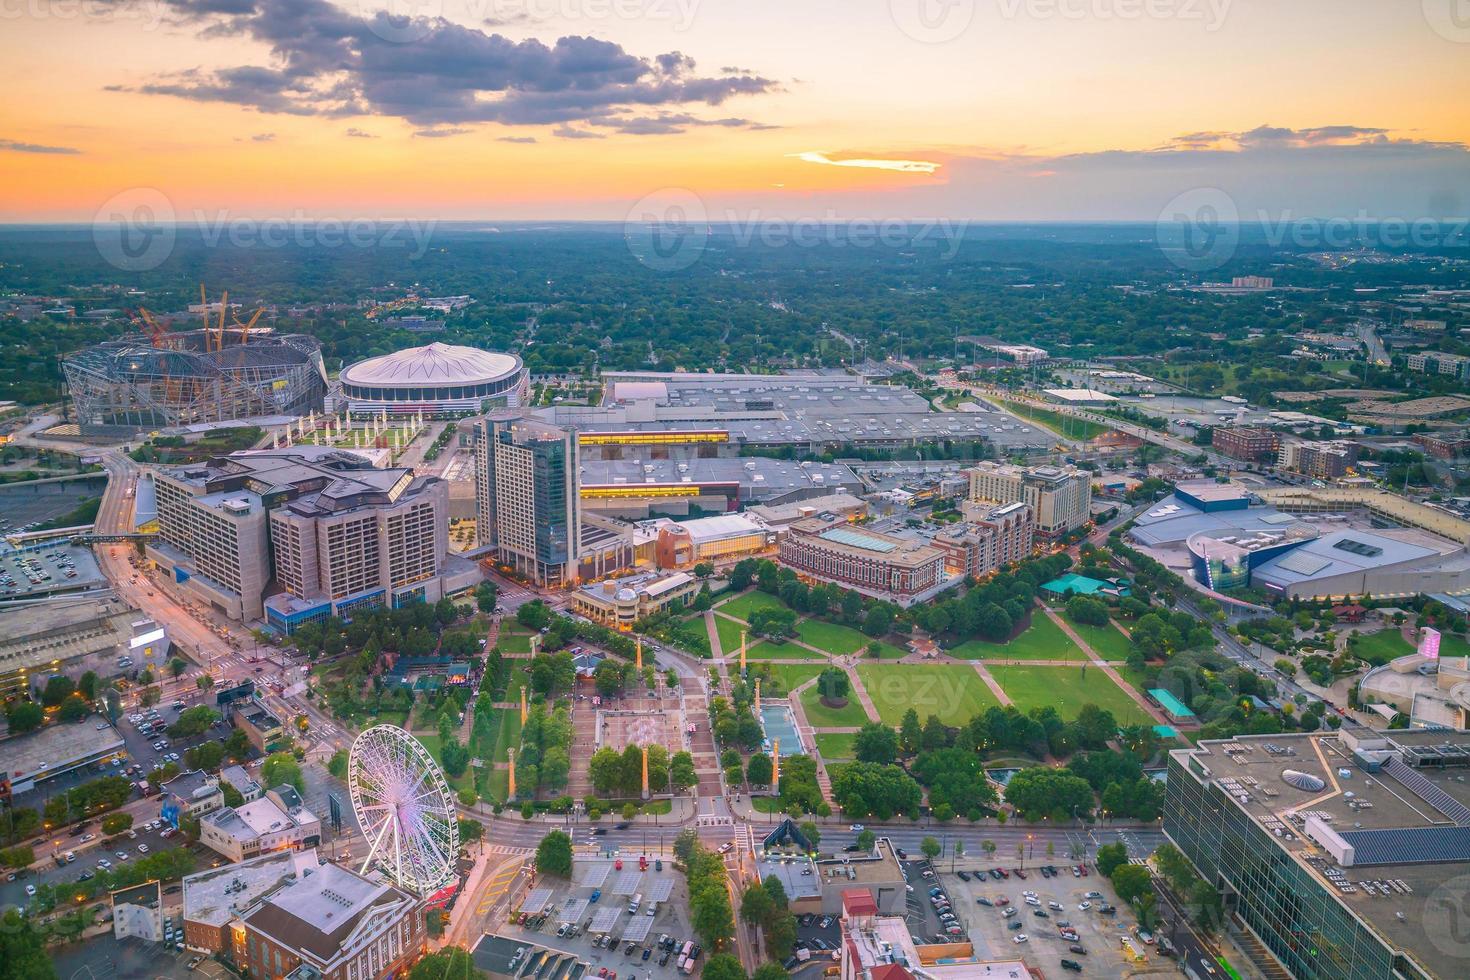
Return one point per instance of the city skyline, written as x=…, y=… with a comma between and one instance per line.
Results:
x=581, y=110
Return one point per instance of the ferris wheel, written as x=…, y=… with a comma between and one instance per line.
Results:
x=404, y=809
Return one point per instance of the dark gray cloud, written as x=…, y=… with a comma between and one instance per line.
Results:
x=18, y=146
x=568, y=133
x=431, y=72
x=435, y=134
x=360, y=134
x=515, y=139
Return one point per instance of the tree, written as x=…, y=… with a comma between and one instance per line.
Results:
x=449, y=963
x=723, y=966
x=756, y=905
x=205, y=755
x=24, y=716
x=876, y=742
x=833, y=683
x=22, y=948
x=57, y=690
x=73, y=708
x=470, y=830
x=17, y=857
x=231, y=794
x=868, y=789
x=87, y=686
x=704, y=569
x=778, y=892
x=866, y=840
x=177, y=666
x=1042, y=792
x=1087, y=610
x=681, y=771
x=116, y=823
x=1130, y=881
x=812, y=833
x=279, y=768
x=759, y=770
x=193, y=721
x=1111, y=857
x=337, y=765
x=205, y=682
x=930, y=848
x=770, y=971
x=910, y=735
x=554, y=854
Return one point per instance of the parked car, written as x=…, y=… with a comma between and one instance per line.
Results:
x=1020, y=938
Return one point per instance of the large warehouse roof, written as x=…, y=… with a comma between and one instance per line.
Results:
x=434, y=364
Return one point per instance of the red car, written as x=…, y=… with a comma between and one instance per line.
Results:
x=618, y=865
x=1084, y=869
x=1020, y=874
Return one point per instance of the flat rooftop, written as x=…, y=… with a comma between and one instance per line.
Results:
x=754, y=476
x=1250, y=770
x=42, y=633
x=57, y=746
x=889, y=941
x=216, y=896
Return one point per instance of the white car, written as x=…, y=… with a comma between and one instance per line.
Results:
x=856, y=828
x=142, y=848
x=1019, y=938
x=88, y=837
x=31, y=891
x=122, y=855
x=132, y=835
x=105, y=864
x=1084, y=906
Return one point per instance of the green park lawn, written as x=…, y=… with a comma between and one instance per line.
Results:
x=748, y=602
x=1067, y=690
x=1453, y=646
x=954, y=692
x=835, y=745
x=835, y=639
x=818, y=715
x=729, y=632
x=1383, y=646
x=1042, y=640
x=514, y=639
x=1107, y=641
x=767, y=650
x=791, y=676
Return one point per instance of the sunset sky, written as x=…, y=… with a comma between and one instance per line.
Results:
x=577, y=109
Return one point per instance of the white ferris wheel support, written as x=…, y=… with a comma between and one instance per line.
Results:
x=404, y=808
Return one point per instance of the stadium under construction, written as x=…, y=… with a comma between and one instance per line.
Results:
x=193, y=377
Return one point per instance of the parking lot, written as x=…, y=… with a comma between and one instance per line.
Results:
x=106, y=958
x=22, y=573
x=1054, y=903
x=591, y=917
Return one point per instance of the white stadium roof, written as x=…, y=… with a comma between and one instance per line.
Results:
x=436, y=364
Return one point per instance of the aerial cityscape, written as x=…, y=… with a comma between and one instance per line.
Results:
x=898, y=490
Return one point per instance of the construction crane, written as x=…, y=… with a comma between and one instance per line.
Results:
x=155, y=330
x=245, y=327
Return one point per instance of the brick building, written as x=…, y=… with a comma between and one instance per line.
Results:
x=880, y=565
x=1246, y=442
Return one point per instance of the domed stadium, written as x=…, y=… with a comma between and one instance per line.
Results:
x=437, y=380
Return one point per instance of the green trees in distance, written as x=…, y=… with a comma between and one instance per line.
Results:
x=1111, y=857
x=193, y=721
x=337, y=765
x=834, y=684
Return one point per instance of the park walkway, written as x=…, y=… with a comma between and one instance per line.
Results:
x=1107, y=668
x=992, y=683
x=824, y=779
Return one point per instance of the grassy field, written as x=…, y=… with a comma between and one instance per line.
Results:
x=819, y=715
x=1042, y=640
x=748, y=602
x=514, y=639
x=835, y=639
x=1107, y=641
x=1453, y=646
x=835, y=745
x=510, y=734
x=729, y=631
x=494, y=784
x=1065, y=689
x=465, y=780
x=1383, y=646
x=954, y=692
x=790, y=676
x=766, y=650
